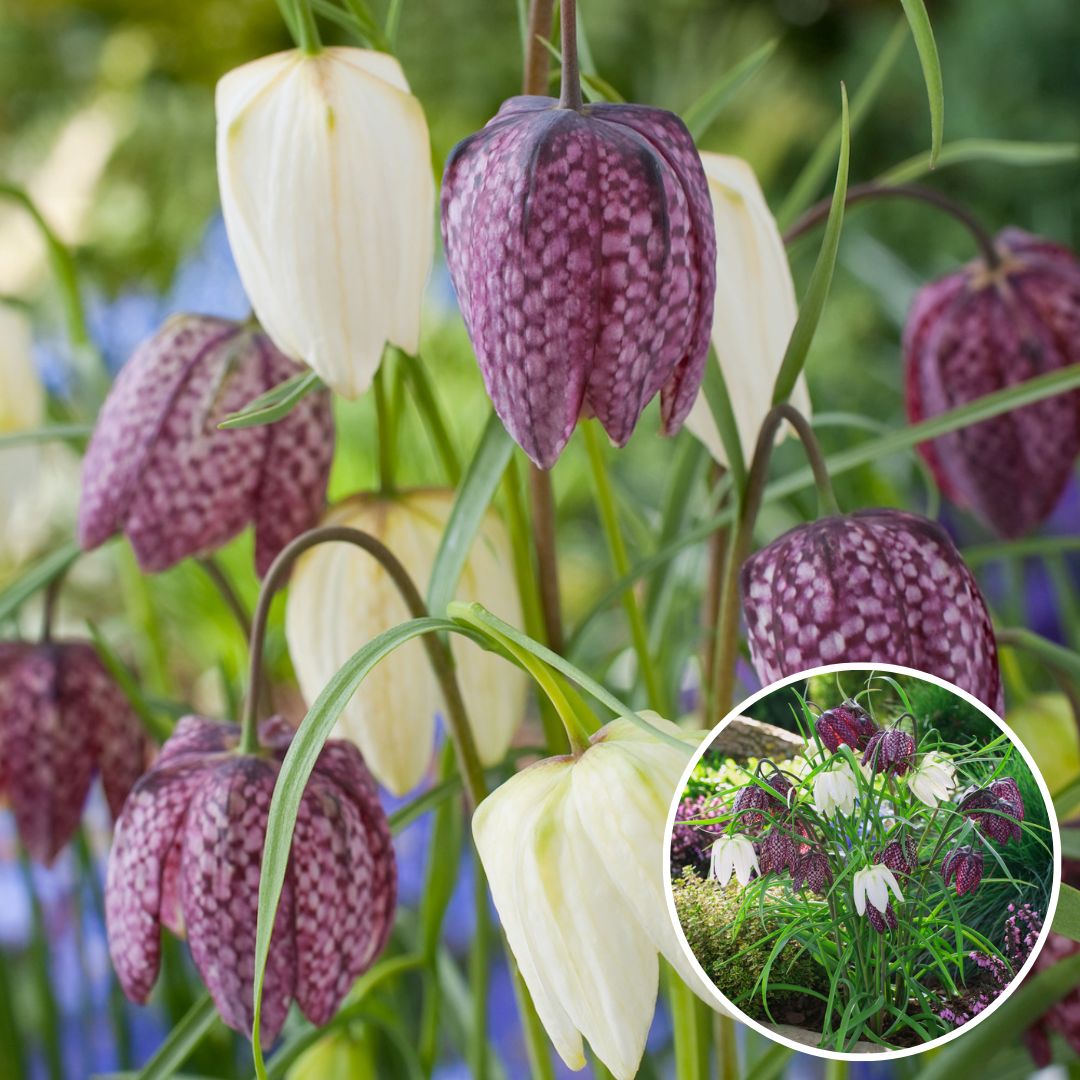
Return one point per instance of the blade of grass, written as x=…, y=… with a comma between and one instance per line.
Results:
x=704, y=110
x=926, y=46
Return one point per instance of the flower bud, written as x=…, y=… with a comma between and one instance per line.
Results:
x=160, y=470
x=573, y=851
x=754, y=310
x=326, y=187
x=985, y=329
x=964, y=865
x=582, y=249
x=890, y=752
x=340, y=598
x=848, y=724
x=188, y=853
x=877, y=585
x=62, y=718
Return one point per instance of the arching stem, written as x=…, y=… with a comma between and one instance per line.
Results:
x=48, y=608
x=866, y=192
x=438, y=651
x=224, y=586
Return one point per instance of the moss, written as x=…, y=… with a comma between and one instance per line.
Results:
x=707, y=911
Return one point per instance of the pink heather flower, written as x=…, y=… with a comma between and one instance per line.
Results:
x=891, y=752
x=62, y=718
x=754, y=801
x=964, y=865
x=997, y=809
x=188, y=853
x=877, y=585
x=582, y=248
x=848, y=723
x=981, y=330
x=159, y=469
x=900, y=856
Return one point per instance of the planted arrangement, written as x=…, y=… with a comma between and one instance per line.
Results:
x=878, y=855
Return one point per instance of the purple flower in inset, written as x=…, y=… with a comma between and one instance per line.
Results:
x=964, y=865
x=984, y=329
x=997, y=810
x=582, y=248
x=812, y=871
x=881, y=920
x=848, y=723
x=755, y=801
x=779, y=851
x=877, y=585
x=900, y=856
x=188, y=853
x=62, y=719
x=891, y=752
x=160, y=470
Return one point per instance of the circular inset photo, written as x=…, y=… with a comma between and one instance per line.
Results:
x=863, y=860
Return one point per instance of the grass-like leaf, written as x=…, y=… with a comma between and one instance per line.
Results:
x=714, y=387
x=1067, y=916
x=923, y=33
x=983, y=151
x=73, y=433
x=181, y=1041
x=37, y=577
x=158, y=729
x=699, y=116
x=277, y=402
x=817, y=291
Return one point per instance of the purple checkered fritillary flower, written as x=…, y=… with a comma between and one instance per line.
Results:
x=984, y=329
x=900, y=856
x=582, y=247
x=876, y=585
x=160, y=470
x=997, y=809
x=62, y=719
x=964, y=865
x=847, y=723
x=891, y=752
x=812, y=871
x=754, y=801
x=188, y=853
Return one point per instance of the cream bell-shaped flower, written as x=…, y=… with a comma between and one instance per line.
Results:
x=340, y=598
x=835, y=789
x=933, y=779
x=328, y=195
x=733, y=855
x=872, y=884
x=754, y=308
x=573, y=851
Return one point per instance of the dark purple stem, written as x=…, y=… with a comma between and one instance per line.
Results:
x=571, y=74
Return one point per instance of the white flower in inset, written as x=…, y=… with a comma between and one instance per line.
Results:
x=733, y=855
x=573, y=851
x=324, y=167
x=872, y=883
x=754, y=310
x=933, y=780
x=835, y=789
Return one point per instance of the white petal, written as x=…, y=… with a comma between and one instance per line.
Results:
x=890, y=879
x=755, y=307
x=859, y=891
x=877, y=891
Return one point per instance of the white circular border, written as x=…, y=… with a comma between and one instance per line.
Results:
x=882, y=1055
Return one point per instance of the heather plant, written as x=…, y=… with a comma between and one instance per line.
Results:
x=874, y=855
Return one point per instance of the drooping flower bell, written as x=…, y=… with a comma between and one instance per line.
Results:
x=754, y=801
x=780, y=850
x=733, y=853
x=340, y=598
x=848, y=723
x=964, y=865
x=986, y=328
x=324, y=168
x=187, y=854
x=62, y=719
x=997, y=810
x=581, y=244
x=900, y=856
x=835, y=789
x=160, y=470
x=812, y=871
x=876, y=585
x=754, y=310
x=891, y=752
x=932, y=779
x=870, y=889
x=573, y=851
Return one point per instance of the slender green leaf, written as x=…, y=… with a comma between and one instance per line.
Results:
x=292, y=780
x=158, y=729
x=74, y=433
x=923, y=33
x=181, y=1041
x=434, y=423
x=277, y=402
x=817, y=292
x=972, y=1050
x=37, y=577
x=980, y=151
x=714, y=387
x=1029, y=547
x=1067, y=915
x=1065, y=802
x=474, y=496
x=772, y=1063
x=699, y=116
x=808, y=182
x=12, y=1051
x=1048, y=652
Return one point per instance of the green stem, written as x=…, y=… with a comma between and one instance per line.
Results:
x=428, y=406
x=39, y=952
x=727, y=1047
x=385, y=424
x=621, y=562
x=685, y=1030
x=307, y=30
x=727, y=628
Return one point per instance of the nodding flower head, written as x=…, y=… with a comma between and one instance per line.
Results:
x=932, y=779
x=781, y=849
x=812, y=871
x=755, y=801
x=900, y=856
x=870, y=889
x=891, y=752
x=848, y=723
x=734, y=854
x=997, y=810
x=964, y=865
x=882, y=920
